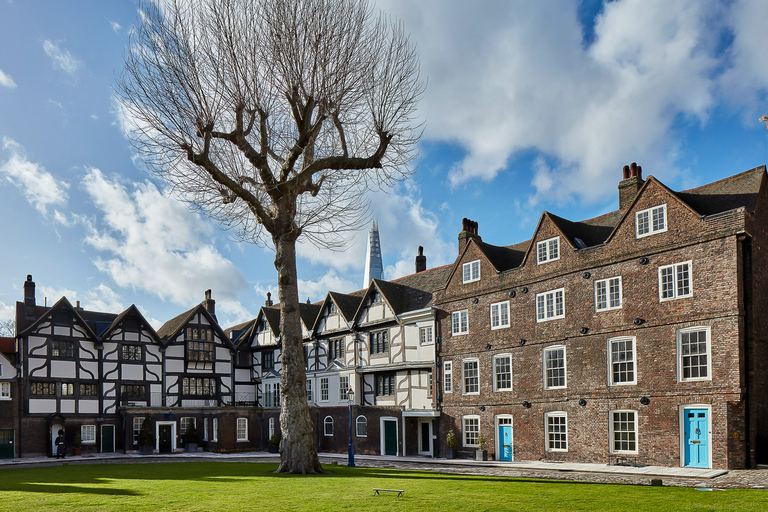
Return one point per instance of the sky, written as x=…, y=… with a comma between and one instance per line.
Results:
x=530, y=106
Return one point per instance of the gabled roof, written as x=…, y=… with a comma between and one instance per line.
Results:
x=740, y=190
x=422, y=284
x=272, y=315
x=242, y=332
x=309, y=313
x=132, y=311
x=726, y=194
x=8, y=346
x=347, y=303
x=172, y=327
x=79, y=316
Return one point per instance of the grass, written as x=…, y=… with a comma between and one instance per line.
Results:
x=241, y=486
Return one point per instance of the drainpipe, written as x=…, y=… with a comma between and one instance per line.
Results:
x=746, y=273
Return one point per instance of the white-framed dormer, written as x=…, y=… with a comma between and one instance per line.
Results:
x=470, y=272
x=651, y=221
x=548, y=250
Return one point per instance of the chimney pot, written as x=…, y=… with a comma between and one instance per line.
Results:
x=421, y=261
x=210, y=304
x=630, y=185
x=77, y=304
x=268, y=302
x=639, y=172
x=625, y=172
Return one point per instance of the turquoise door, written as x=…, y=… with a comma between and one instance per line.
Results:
x=505, y=442
x=390, y=437
x=696, y=438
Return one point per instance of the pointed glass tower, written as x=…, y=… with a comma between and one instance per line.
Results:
x=373, y=265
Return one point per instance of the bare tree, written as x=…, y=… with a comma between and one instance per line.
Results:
x=8, y=328
x=274, y=117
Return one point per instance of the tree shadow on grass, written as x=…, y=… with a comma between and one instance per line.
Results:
x=53, y=488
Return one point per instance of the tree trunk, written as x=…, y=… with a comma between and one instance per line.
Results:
x=298, y=453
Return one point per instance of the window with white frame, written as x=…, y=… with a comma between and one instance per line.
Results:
x=500, y=315
x=502, y=372
x=242, y=429
x=138, y=422
x=328, y=426
x=271, y=427
x=186, y=424
x=215, y=436
x=548, y=250
x=608, y=294
x=675, y=281
x=651, y=221
x=425, y=335
x=324, y=389
x=459, y=322
x=343, y=387
x=693, y=358
x=470, y=271
x=309, y=390
x=554, y=367
x=623, y=431
x=550, y=305
x=621, y=351
x=5, y=390
x=471, y=377
x=471, y=428
x=88, y=434
x=361, y=424
x=429, y=384
x=447, y=376
x=557, y=431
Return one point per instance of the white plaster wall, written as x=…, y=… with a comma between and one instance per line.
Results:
x=89, y=370
x=63, y=369
x=63, y=331
x=131, y=336
x=42, y=405
x=67, y=406
x=132, y=372
x=89, y=407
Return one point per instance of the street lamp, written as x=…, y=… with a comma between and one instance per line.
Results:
x=351, y=449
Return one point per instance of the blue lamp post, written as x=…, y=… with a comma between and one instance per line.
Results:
x=351, y=458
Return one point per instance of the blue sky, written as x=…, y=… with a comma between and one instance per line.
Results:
x=530, y=106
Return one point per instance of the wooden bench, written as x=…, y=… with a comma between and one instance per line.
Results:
x=398, y=491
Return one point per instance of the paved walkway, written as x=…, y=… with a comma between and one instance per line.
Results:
x=604, y=473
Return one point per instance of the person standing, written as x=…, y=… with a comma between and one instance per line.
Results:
x=60, y=449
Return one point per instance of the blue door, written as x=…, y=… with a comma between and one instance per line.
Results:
x=505, y=442
x=696, y=438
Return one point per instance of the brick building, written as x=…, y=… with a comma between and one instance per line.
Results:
x=633, y=337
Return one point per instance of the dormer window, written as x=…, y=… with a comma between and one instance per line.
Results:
x=470, y=271
x=651, y=221
x=332, y=310
x=548, y=250
x=375, y=297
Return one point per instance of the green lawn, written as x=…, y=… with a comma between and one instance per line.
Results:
x=236, y=486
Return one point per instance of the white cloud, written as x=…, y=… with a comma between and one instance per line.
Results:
x=115, y=26
x=317, y=290
x=39, y=186
x=153, y=243
x=61, y=59
x=103, y=298
x=6, y=80
x=511, y=76
x=404, y=225
x=7, y=312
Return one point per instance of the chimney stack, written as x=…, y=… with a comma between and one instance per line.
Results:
x=29, y=297
x=421, y=261
x=468, y=230
x=630, y=185
x=268, y=302
x=210, y=304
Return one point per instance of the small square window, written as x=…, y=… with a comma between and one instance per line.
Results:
x=651, y=221
x=5, y=390
x=470, y=271
x=550, y=305
x=608, y=294
x=675, y=281
x=548, y=250
x=88, y=434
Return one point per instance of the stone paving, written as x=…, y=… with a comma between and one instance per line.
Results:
x=601, y=473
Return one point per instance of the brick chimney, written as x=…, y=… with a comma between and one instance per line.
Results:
x=468, y=230
x=209, y=304
x=421, y=261
x=630, y=185
x=29, y=297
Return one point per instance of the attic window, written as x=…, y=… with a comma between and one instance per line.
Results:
x=651, y=221
x=548, y=250
x=470, y=271
x=375, y=297
x=332, y=310
x=580, y=243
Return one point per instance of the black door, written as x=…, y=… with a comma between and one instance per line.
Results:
x=6, y=443
x=165, y=439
